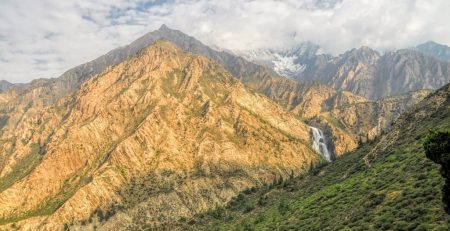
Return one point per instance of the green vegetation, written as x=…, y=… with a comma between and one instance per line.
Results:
x=172, y=83
x=22, y=168
x=70, y=186
x=214, y=85
x=437, y=149
x=398, y=188
x=3, y=121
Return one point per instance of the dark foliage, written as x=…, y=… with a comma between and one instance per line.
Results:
x=437, y=149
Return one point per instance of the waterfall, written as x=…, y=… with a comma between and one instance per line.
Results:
x=319, y=143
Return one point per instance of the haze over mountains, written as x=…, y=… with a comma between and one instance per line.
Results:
x=5, y=85
x=435, y=49
x=362, y=71
x=154, y=132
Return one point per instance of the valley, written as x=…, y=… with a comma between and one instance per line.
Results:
x=387, y=184
x=168, y=133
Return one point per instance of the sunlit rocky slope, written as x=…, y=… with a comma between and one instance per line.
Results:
x=165, y=132
x=306, y=100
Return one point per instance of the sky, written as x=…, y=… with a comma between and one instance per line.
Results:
x=44, y=38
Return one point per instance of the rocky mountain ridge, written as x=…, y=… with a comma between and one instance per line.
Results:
x=285, y=62
x=364, y=71
x=169, y=132
x=44, y=92
x=434, y=49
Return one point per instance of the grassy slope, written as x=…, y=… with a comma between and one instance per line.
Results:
x=401, y=190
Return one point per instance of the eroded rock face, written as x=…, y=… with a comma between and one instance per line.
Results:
x=160, y=136
x=367, y=73
x=367, y=119
x=350, y=119
x=305, y=100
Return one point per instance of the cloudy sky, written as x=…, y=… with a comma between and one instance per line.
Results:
x=43, y=38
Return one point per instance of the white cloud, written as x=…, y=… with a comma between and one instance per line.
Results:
x=44, y=38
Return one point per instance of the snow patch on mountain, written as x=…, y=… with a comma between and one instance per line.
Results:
x=286, y=62
x=286, y=66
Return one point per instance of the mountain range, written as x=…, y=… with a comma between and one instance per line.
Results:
x=435, y=49
x=155, y=132
x=174, y=122
x=362, y=71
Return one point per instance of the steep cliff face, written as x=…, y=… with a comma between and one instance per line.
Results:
x=26, y=126
x=164, y=132
x=406, y=70
x=312, y=103
x=348, y=118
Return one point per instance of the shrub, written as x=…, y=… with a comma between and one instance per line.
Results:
x=216, y=213
x=283, y=207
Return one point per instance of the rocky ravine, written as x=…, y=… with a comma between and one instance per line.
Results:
x=348, y=118
x=165, y=132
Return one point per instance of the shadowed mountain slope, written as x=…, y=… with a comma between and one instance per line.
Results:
x=434, y=49
x=5, y=85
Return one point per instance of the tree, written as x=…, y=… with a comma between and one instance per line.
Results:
x=437, y=149
x=360, y=141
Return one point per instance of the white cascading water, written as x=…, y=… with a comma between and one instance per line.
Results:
x=319, y=143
